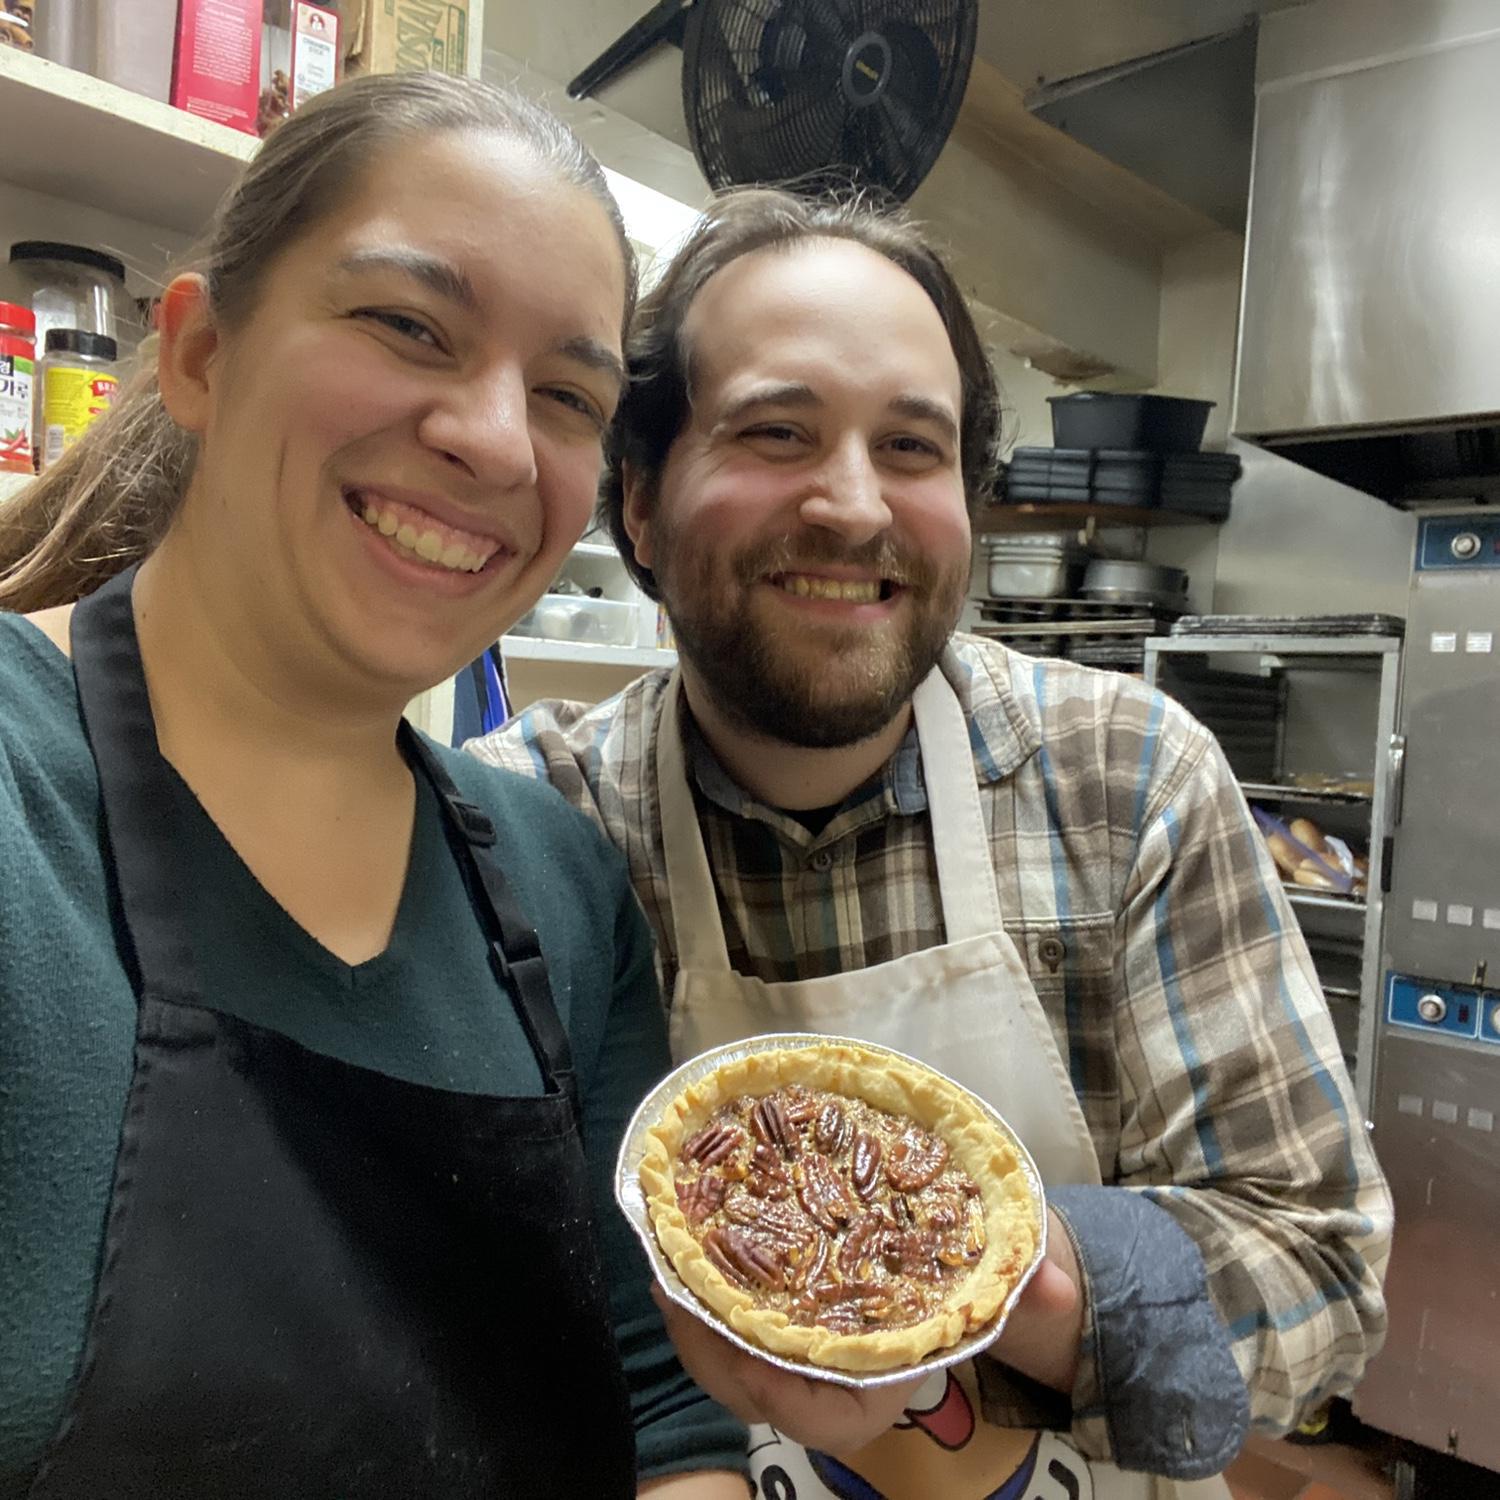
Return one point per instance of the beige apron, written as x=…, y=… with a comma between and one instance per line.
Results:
x=967, y=1008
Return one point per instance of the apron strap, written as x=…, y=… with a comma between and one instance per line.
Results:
x=515, y=950
x=690, y=883
x=138, y=805
x=960, y=841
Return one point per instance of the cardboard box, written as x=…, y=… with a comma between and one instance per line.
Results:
x=216, y=65
x=405, y=36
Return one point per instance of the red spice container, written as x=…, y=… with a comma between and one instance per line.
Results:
x=17, y=369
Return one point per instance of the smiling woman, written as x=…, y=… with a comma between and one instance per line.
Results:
x=318, y=1039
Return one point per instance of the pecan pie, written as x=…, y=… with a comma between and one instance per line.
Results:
x=840, y=1206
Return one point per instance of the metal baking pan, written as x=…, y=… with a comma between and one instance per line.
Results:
x=632, y=1200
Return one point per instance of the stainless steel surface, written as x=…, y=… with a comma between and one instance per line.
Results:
x=1336, y=916
x=1435, y=1382
x=631, y=1198
x=1123, y=581
x=1371, y=287
x=1447, y=846
x=1437, y=1101
x=1039, y=566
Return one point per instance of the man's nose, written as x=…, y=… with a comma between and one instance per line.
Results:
x=847, y=496
x=484, y=427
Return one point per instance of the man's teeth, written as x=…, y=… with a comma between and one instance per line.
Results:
x=427, y=544
x=864, y=591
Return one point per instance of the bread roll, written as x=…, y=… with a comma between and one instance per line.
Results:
x=1286, y=854
x=1312, y=874
x=1306, y=832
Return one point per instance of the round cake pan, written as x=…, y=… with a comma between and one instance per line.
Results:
x=632, y=1200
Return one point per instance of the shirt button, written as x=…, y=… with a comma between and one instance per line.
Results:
x=822, y=861
x=1052, y=951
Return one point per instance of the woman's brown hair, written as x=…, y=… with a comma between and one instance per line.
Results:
x=110, y=499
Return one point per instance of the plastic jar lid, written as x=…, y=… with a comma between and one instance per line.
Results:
x=78, y=255
x=21, y=319
x=76, y=341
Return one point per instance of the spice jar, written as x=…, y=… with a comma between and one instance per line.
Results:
x=66, y=286
x=77, y=385
x=17, y=366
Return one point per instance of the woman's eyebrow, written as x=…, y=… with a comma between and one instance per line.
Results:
x=596, y=356
x=437, y=275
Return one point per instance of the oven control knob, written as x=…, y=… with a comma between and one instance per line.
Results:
x=1432, y=1008
x=1465, y=545
x=1495, y=1020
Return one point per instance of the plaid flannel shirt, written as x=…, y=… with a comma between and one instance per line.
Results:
x=1182, y=999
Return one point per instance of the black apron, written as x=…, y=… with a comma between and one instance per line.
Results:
x=318, y=1280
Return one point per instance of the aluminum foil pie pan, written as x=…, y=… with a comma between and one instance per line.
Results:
x=632, y=1199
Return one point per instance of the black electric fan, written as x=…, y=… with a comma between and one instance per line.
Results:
x=819, y=93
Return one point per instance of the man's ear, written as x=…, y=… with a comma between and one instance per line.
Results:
x=188, y=339
x=636, y=511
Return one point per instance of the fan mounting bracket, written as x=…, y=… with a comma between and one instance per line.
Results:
x=664, y=22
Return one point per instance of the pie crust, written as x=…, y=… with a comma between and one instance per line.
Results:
x=981, y=1170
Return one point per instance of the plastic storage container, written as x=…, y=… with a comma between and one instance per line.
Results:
x=1104, y=419
x=67, y=286
x=592, y=622
x=76, y=384
x=17, y=369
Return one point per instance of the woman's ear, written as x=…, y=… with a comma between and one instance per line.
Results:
x=188, y=339
x=636, y=511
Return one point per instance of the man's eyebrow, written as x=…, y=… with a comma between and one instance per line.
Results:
x=437, y=275
x=596, y=356
x=924, y=409
x=781, y=393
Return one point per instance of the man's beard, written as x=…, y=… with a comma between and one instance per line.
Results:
x=822, y=687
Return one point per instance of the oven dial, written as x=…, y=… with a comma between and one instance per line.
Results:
x=1432, y=1009
x=1495, y=1020
x=1465, y=545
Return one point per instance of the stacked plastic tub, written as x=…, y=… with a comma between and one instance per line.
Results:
x=1133, y=452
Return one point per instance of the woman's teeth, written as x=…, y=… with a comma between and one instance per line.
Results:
x=864, y=591
x=425, y=542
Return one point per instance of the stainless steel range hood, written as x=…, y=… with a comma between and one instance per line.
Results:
x=1370, y=323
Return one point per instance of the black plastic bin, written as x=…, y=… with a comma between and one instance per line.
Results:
x=1105, y=419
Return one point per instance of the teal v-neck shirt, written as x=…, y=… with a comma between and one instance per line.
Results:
x=427, y=1010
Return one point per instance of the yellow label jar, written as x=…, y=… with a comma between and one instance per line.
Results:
x=76, y=386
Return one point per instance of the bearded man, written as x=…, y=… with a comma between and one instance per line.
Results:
x=842, y=817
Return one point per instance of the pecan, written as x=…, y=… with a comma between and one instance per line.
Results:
x=943, y=1212
x=699, y=1198
x=772, y=1128
x=901, y=1211
x=821, y=1193
x=915, y=1160
x=866, y=1167
x=744, y=1259
x=832, y=1132
x=912, y=1254
x=809, y=1262
x=767, y=1175
x=713, y=1143
x=859, y=1244
x=800, y=1105
x=781, y=1222
x=964, y=1249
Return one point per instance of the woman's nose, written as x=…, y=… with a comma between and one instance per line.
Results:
x=848, y=497
x=485, y=428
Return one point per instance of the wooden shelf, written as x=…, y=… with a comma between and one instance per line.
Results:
x=79, y=138
x=577, y=653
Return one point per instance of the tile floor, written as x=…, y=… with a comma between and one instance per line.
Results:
x=1269, y=1470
